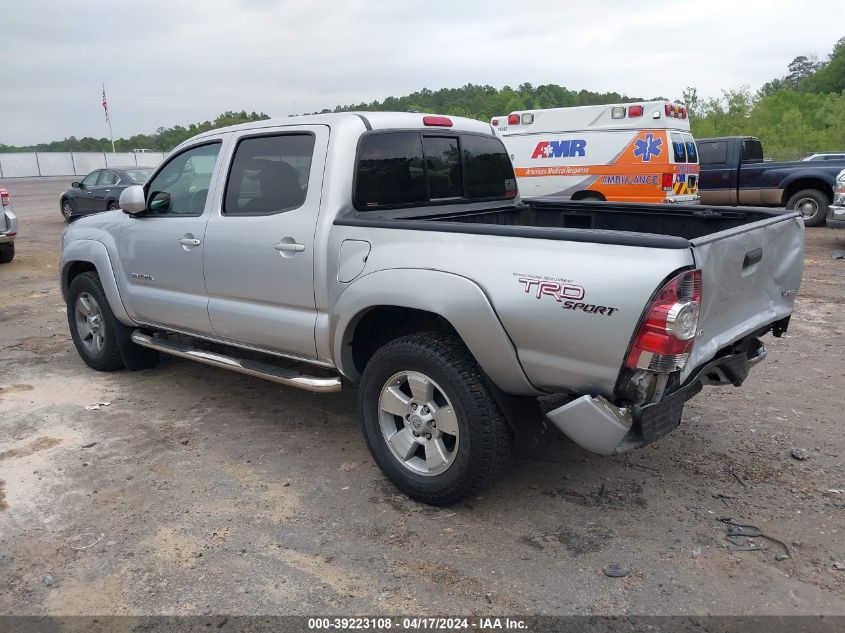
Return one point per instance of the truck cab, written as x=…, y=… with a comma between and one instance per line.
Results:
x=735, y=172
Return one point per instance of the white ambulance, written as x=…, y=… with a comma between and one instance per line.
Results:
x=630, y=152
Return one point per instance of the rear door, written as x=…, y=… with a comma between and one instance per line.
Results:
x=750, y=276
x=718, y=177
x=259, y=260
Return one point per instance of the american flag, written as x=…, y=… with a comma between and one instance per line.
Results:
x=105, y=103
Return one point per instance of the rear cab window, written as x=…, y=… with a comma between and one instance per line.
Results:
x=412, y=168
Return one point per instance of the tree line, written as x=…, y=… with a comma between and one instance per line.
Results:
x=796, y=114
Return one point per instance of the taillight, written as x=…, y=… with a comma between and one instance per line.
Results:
x=667, y=181
x=494, y=121
x=513, y=119
x=635, y=110
x=4, y=197
x=667, y=333
x=438, y=121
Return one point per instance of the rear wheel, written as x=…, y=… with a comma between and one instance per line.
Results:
x=7, y=252
x=811, y=204
x=111, y=206
x=429, y=420
x=590, y=197
x=67, y=208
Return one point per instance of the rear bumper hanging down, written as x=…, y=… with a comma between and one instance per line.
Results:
x=599, y=426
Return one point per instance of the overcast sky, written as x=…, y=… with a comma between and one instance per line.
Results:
x=167, y=62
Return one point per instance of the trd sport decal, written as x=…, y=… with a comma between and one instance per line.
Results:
x=566, y=293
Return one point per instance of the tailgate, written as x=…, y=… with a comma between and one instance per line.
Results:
x=750, y=276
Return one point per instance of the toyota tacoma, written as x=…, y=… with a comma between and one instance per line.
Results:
x=391, y=251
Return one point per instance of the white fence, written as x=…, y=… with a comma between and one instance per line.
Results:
x=29, y=164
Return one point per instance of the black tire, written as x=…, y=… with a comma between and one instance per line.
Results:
x=7, y=252
x=591, y=197
x=108, y=358
x=67, y=208
x=118, y=351
x=111, y=206
x=486, y=440
x=811, y=199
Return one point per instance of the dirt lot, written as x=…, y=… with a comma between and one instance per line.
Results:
x=200, y=491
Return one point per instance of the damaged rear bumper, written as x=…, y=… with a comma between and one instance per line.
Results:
x=602, y=427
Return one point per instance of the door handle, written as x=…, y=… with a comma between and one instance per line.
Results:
x=189, y=241
x=289, y=247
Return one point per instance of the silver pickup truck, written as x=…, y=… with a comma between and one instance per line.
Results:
x=391, y=251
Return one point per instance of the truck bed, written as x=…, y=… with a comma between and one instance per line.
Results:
x=687, y=222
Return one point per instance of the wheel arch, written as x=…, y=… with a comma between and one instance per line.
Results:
x=81, y=256
x=818, y=183
x=387, y=304
x=589, y=194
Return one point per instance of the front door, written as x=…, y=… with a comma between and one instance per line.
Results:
x=102, y=191
x=161, y=250
x=85, y=196
x=259, y=260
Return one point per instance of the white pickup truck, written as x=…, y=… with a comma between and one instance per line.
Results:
x=392, y=251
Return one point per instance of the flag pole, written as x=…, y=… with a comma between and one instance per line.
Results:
x=108, y=118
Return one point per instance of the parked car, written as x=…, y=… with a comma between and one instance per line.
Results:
x=391, y=249
x=733, y=172
x=100, y=190
x=814, y=157
x=8, y=227
x=836, y=211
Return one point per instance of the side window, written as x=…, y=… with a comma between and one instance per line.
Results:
x=443, y=166
x=692, y=152
x=713, y=153
x=390, y=170
x=91, y=179
x=679, y=147
x=489, y=172
x=107, y=177
x=181, y=187
x=269, y=174
x=752, y=151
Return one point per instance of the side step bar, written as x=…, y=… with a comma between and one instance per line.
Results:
x=244, y=366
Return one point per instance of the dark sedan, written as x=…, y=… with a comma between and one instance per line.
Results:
x=100, y=190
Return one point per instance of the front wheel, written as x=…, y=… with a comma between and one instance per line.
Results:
x=811, y=204
x=67, y=209
x=7, y=252
x=429, y=421
x=92, y=324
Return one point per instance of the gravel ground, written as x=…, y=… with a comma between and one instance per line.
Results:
x=198, y=491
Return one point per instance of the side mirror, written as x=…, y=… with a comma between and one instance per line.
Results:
x=132, y=200
x=76, y=184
